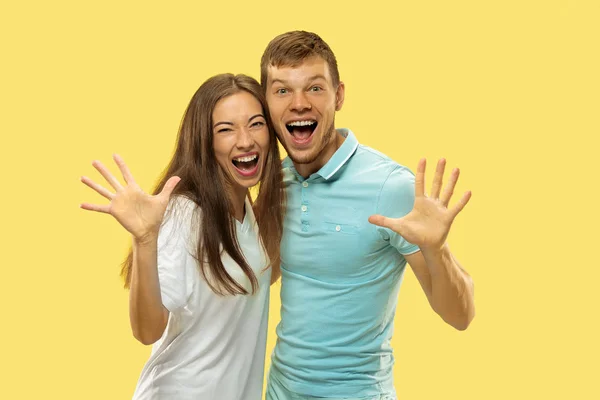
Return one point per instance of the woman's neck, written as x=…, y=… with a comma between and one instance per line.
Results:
x=237, y=197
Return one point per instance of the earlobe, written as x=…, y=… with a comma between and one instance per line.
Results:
x=339, y=96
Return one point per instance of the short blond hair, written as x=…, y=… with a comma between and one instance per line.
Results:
x=290, y=49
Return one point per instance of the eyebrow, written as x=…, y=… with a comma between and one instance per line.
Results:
x=231, y=123
x=312, y=78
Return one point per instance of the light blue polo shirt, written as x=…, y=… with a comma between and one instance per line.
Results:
x=340, y=274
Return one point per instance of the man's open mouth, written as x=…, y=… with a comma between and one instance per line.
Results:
x=301, y=130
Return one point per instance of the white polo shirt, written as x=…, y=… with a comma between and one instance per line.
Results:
x=213, y=346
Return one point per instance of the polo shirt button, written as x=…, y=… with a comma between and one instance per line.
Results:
x=304, y=208
x=305, y=184
x=338, y=228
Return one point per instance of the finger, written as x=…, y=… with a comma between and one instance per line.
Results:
x=107, y=175
x=420, y=178
x=124, y=169
x=385, y=222
x=437, y=179
x=449, y=189
x=169, y=186
x=98, y=188
x=95, y=207
x=461, y=204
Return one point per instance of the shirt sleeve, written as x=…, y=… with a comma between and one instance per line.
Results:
x=396, y=199
x=173, y=253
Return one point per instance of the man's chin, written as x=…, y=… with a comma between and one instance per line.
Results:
x=302, y=156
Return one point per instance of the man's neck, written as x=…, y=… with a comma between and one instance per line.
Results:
x=306, y=170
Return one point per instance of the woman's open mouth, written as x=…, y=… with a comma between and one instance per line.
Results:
x=246, y=165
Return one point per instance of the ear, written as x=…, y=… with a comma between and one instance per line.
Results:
x=339, y=96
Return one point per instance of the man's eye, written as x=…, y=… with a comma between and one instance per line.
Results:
x=315, y=89
x=258, y=123
x=281, y=91
x=223, y=130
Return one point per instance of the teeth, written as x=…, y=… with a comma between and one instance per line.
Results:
x=302, y=123
x=246, y=159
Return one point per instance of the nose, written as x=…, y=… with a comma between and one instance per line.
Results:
x=244, y=139
x=300, y=102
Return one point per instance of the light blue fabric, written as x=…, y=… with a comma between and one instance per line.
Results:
x=341, y=275
x=276, y=391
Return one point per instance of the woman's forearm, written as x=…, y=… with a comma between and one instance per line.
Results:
x=147, y=315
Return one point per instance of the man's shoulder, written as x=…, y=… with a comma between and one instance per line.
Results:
x=378, y=164
x=367, y=151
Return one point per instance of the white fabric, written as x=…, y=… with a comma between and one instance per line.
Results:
x=214, y=346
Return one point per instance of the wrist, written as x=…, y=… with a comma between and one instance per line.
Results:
x=436, y=251
x=146, y=239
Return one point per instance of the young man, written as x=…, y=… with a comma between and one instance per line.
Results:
x=354, y=219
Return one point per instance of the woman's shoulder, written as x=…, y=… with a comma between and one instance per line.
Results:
x=181, y=204
x=181, y=214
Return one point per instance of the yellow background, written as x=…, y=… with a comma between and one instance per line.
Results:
x=509, y=91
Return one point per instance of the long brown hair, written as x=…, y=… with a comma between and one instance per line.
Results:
x=202, y=182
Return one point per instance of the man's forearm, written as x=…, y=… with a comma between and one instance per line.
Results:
x=451, y=288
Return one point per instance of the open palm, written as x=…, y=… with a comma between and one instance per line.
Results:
x=137, y=211
x=429, y=222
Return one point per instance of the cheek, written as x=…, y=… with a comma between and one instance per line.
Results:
x=222, y=161
x=276, y=110
x=221, y=153
x=263, y=139
x=327, y=107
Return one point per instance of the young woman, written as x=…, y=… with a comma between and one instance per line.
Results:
x=199, y=269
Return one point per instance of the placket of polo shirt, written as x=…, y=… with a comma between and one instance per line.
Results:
x=304, y=207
